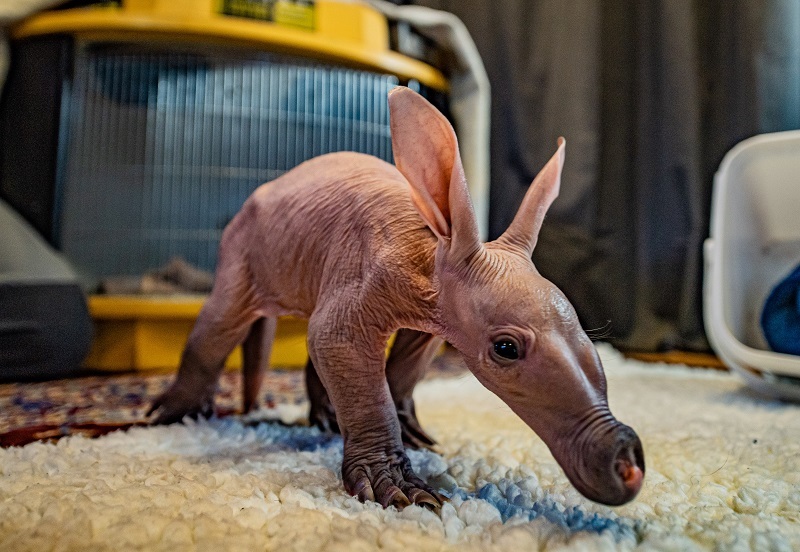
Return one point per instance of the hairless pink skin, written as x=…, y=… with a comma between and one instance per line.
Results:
x=363, y=249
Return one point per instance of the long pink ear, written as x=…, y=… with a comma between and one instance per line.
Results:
x=524, y=230
x=426, y=153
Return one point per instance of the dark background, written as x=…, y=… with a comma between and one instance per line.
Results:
x=650, y=95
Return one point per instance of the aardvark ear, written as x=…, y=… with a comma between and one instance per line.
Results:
x=426, y=153
x=524, y=229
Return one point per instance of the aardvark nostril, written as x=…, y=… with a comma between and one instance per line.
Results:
x=630, y=474
x=629, y=466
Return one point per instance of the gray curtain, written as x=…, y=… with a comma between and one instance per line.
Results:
x=650, y=94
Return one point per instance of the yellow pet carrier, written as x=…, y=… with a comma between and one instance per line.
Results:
x=135, y=129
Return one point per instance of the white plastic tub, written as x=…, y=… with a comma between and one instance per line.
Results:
x=754, y=243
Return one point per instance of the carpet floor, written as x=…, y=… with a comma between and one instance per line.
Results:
x=723, y=473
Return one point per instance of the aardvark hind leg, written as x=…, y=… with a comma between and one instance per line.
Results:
x=411, y=354
x=321, y=413
x=223, y=324
x=256, y=351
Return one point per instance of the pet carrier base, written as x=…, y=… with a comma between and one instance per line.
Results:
x=133, y=131
x=144, y=333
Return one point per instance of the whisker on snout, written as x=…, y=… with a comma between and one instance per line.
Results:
x=601, y=333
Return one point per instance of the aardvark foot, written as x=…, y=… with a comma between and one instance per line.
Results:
x=179, y=401
x=387, y=478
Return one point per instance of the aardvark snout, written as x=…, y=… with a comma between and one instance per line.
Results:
x=619, y=475
x=628, y=470
x=609, y=465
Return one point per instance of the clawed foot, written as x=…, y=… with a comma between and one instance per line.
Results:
x=178, y=402
x=387, y=478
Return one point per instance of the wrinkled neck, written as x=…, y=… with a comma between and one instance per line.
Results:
x=416, y=286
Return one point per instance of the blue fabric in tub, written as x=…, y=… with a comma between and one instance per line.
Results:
x=780, y=319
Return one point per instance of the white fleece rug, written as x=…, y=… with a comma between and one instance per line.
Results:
x=723, y=473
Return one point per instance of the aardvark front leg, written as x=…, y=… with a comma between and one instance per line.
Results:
x=410, y=356
x=351, y=366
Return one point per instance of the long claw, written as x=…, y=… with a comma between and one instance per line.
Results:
x=393, y=496
x=423, y=498
x=363, y=490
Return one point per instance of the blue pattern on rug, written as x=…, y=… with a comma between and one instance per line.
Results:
x=509, y=498
x=513, y=501
x=299, y=438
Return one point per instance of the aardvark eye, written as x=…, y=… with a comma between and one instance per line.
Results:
x=506, y=349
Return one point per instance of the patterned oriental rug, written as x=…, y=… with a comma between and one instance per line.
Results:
x=723, y=473
x=97, y=405
x=93, y=406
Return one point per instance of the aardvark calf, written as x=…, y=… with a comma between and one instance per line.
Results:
x=362, y=249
